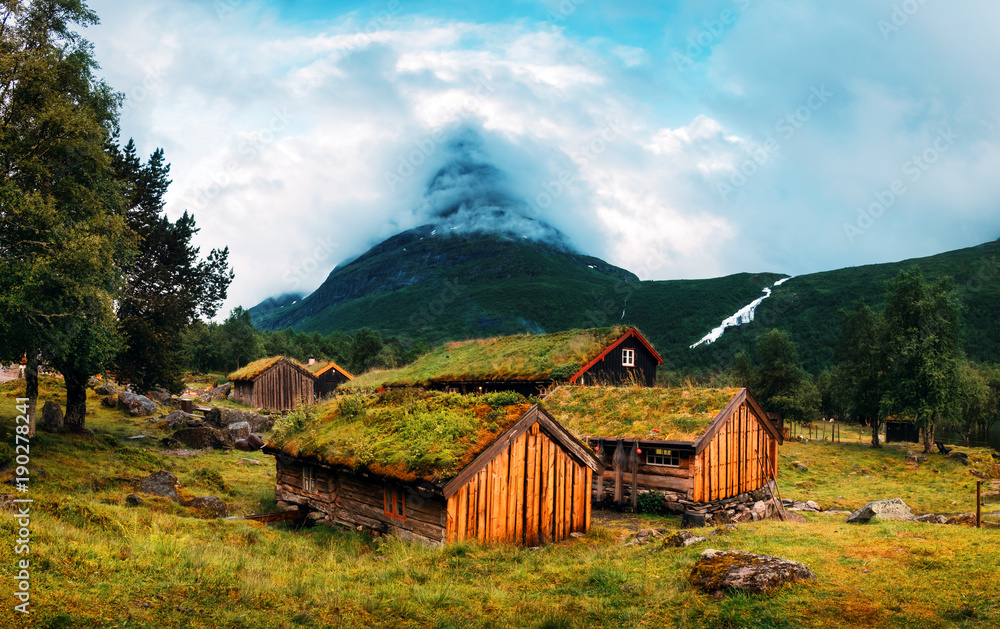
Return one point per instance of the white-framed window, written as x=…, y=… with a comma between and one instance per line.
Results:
x=628, y=358
x=308, y=479
x=667, y=458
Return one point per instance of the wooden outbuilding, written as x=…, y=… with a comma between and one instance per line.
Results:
x=530, y=364
x=277, y=383
x=439, y=468
x=694, y=445
x=329, y=376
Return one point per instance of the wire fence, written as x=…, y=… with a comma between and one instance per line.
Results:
x=988, y=503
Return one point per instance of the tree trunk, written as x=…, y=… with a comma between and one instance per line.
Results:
x=31, y=388
x=876, y=425
x=929, y=434
x=76, y=402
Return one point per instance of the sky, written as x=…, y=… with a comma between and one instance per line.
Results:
x=679, y=140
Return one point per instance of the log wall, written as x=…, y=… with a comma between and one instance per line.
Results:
x=531, y=493
x=281, y=387
x=354, y=500
x=740, y=458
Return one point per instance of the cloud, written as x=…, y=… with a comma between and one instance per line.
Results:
x=299, y=144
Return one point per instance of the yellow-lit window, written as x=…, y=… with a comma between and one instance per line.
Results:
x=668, y=458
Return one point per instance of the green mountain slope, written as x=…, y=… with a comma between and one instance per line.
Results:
x=439, y=287
x=807, y=306
x=447, y=287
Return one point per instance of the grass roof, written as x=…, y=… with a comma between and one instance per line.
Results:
x=407, y=434
x=655, y=413
x=258, y=367
x=520, y=357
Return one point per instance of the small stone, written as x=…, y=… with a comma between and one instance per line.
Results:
x=800, y=467
x=812, y=505
x=133, y=500
x=576, y=534
x=52, y=417
x=209, y=505
x=682, y=539
x=930, y=518
x=160, y=483
x=966, y=519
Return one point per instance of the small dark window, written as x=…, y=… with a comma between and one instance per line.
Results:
x=668, y=458
x=395, y=502
x=628, y=358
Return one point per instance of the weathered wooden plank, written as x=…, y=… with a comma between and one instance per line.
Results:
x=483, y=506
x=545, y=491
x=518, y=452
x=452, y=526
x=579, y=503
x=589, y=503
x=663, y=470
x=531, y=490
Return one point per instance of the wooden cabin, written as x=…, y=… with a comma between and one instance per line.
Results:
x=693, y=445
x=329, y=376
x=508, y=474
x=277, y=383
x=530, y=364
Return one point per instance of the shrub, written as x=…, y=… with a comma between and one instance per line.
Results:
x=652, y=502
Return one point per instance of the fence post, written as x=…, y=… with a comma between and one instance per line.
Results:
x=979, y=502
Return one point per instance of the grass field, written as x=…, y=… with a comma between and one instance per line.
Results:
x=96, y=562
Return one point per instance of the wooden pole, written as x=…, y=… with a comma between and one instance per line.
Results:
x=619, y=464
x=979, y=503
x=633, y=463
x=600, y=477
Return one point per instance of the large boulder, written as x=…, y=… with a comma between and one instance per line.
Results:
x=223, y=417
x=136, y=404
x=238, y=430
x=722, y=571
x=52, y=417
x=159, y=395
x=201, y=438
x=216, y=393
x=160, y=483
x=892, y=509
x=208, y=505
x=106, y=388
x=178, y=419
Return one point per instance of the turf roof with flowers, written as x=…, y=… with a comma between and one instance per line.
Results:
x=408, y=434
x=258, y=367
x=653, y=413
x=523, y=357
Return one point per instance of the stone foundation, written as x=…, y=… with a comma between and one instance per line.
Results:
x=745, y=507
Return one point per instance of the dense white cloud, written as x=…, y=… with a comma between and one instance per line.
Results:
x=300, y=144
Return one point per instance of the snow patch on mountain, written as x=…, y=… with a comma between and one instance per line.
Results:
x=740, y=317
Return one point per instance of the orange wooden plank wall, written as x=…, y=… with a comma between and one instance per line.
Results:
x=531, y=493
x=741, y=458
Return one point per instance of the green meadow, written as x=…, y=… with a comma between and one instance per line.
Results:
x=98, y=562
